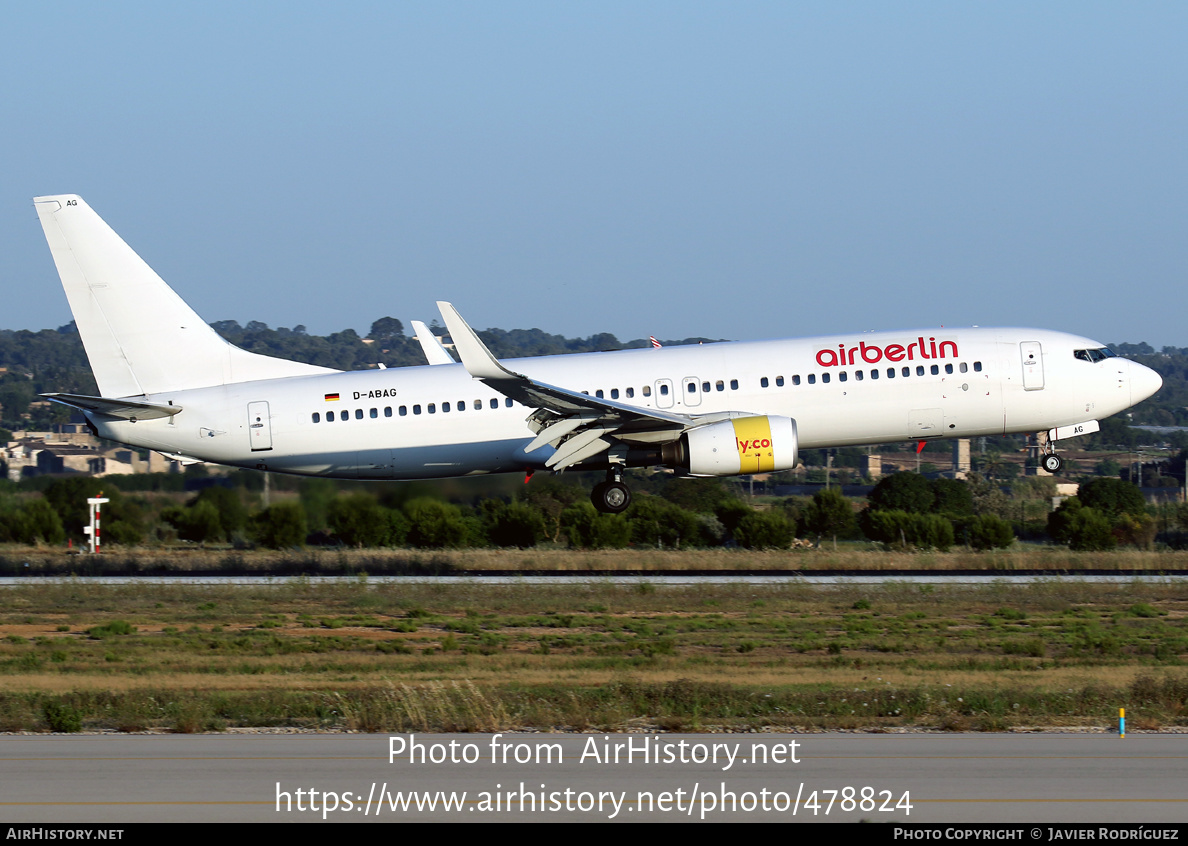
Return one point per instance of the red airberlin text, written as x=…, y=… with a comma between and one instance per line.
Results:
x=872, y=354
x=758, y=443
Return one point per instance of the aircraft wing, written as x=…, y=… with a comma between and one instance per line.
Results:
x=123, y=408
x=434, y=352
x=578, y=425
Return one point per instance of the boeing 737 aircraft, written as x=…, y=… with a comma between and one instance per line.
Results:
x=169, y=383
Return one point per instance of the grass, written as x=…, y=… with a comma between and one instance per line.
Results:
x=466, y=656
x=26, y=561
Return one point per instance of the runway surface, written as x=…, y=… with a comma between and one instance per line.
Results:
x=945, y=778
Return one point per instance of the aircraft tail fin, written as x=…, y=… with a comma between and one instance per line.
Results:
x=140, y=337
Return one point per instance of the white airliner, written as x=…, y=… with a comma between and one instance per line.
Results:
x=169, y=383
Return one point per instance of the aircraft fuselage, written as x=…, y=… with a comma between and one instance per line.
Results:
x=433, y=422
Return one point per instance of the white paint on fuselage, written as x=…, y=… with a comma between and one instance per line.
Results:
x=214, y=426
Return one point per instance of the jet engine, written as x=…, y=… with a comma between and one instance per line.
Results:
x=744, y=445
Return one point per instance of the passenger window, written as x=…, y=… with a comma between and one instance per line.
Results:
x=317, y=418
x=890, y=372
x=692, y=387
x=779, y=381
x=432, y=408
x=614, y=393
x=387, y=411
x=874, y=374
x=920, y=370
x=907, y=371
x=812, y=378
x=416, y=409
x=964, y=367
x=977, y=367
x=374, y=413
x=859, y=375
x=630, y=393
x=948, y=368
x=445, y=408
x=705, y=386
x=507, y=401
x=763, y=382
x=719, y=385
x=404, y=411
x=734, y=384
x=598, y=393
x=329, y=416
x=825, y=378
x=493, y=403
x=664, y=390
x=461, y=405
x=647, y=390
x=343, y=416
x=841, y=377
x=935, y=369
x=796, y=380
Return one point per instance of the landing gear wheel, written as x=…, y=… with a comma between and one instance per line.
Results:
x=1052, y=462
x=610, y=497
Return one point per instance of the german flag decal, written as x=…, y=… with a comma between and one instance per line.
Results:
x=331, y=397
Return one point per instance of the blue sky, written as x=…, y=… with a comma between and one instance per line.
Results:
x=738, y=170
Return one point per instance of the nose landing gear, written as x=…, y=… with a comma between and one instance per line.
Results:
x=611, y=496
x=1048, y=459
x=1052, y=463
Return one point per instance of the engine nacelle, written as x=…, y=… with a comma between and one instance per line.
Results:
x=744, y=445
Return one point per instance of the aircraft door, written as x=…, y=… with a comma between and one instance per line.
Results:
x=664, y=397
x=690, y=391
x=1033, y=365
x=259, y=426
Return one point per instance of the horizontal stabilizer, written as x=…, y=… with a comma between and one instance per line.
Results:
x=122, y=408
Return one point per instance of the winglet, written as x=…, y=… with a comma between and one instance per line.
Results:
x=476, y=358
x=434, y=352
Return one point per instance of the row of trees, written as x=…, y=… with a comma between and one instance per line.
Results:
x=904, y=511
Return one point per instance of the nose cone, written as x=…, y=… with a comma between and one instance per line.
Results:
x=1143, y=382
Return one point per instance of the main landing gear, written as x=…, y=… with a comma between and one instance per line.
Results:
x=611, y=496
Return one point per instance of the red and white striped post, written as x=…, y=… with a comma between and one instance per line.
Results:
x=93, y=530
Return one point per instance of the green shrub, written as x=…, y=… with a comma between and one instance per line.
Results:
x=282, y=526
x=434, y=524
x=765, y=530
x=61, y=717
x=115, y=627
x=587, y=528
x=989, y=531
x=358, y=520
x=511, y=524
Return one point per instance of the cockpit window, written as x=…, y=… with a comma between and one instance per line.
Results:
x=1094, y=355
